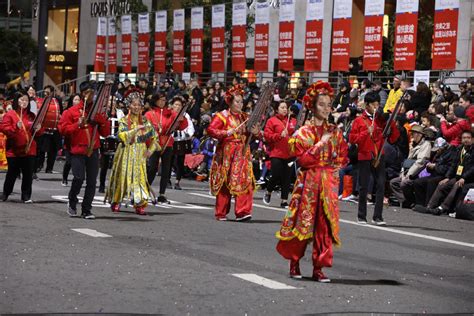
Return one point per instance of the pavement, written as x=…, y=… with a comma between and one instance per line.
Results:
x=179, y=260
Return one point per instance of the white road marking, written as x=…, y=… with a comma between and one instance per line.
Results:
x=254, y=278
x=90, y=232
x=387, y=229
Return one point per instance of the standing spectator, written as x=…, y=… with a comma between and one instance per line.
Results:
x=394, y=95
x=197, y=94
x=422, y=98
x=437, y=92
x=377, y=87
x=452, y=132
x=365, y=87
x=302, y=86
x=343, y=99
x=282, y=83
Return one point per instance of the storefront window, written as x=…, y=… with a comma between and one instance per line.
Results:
x=56, y=26
x=72, y=30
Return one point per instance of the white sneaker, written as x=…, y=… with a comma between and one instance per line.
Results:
x=28, y=201
x=260, y=181
x=351, y=198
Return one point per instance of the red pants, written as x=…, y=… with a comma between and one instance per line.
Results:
x=322, y=244
x=243, y=203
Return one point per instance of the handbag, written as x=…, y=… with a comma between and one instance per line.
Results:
x=407, y=163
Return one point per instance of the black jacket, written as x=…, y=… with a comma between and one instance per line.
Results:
x=468, y=165
x=443, y=161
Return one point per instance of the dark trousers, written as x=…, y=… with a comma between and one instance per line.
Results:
x=353, y=171
x=179, y=165
x=67, y=165
x=84, y=168
x=423, y=188
x=152, y=167
x=365, y=171
x=445, y=195
x=26, y=166
x=48, y=143
x=281, y=174
x=105, y=161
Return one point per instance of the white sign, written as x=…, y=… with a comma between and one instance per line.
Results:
x=407, y=6
x=342, y=9
x=315, y=10
x=178, y=20
x=422, y=76
x=144, y=23
x=218, y=15
x=197, y=18
x=161, y=21
x=102, y=27
x=374, y=7
x=186, y=77
x=446, y=4
x=287, y=10
x=126, y=24
x=262, y=13
x=239, y=13
x=112, y=28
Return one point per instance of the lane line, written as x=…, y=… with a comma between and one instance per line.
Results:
x=90, y=232
x=387, y=229
x=254, y=278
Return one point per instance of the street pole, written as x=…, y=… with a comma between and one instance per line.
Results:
x=42, y=29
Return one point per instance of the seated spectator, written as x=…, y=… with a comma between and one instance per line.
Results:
x=428, y=121
x=402, y=186
x=452, y=132
x=422, y=98
x=461, y=173
x=467, y=102
x=377, y=87
x=342, y=100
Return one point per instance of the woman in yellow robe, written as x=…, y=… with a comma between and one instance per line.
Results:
x=137, y=141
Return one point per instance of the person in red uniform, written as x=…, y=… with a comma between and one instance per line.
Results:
x=366, y=133
x=277, y=132
x=84, y=146
x=313, y=214
x=231, y=169
x=20, y=150
x=161, y=117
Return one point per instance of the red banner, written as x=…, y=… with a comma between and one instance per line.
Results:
x=285, y=46
x=126, y=43
x=405, y=41
x=262, y=28
x=143, y=42
x=178, y=41
x=218, y=38
x=239, y=36
x=159, y=57
x=373, y=39
x=472, y=52
x=112, y=47
x=197, y=34
x=313, y=45
x=445, y=39
x=99, y=62
x=341, y=32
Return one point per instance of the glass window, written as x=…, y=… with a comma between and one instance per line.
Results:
x=72, y=35
x=56, y=27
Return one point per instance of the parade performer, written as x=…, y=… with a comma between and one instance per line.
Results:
x=20, y=148
x=162, y=117
x=231, y=170
x=128, y=178
x=313, y=214
x=84, y=143
x=277, y=132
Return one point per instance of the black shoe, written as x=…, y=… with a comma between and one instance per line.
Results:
x=35, y=176
x=163, y=199
x=4, y=197
x=420, y=209
x=379, y=222
x=87, y=215
x=101, y=190
x=408, y=205
x=177, y=187
x=266, y=198
x=284, y=205
x=437, y=211
x=49, y=171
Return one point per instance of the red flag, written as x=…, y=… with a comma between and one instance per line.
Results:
x=314, y=34
x=143, y=42
x=239, y=36
x=218, y=38
x=445, y=34
x=406, y=28
x=178, y=41
x=197, y=34
x=159, y=58
x=373, y=34
x=262, y=28
x=341, y=33
x=99, y=63
x=126, y=43
x=287, y=27
x=112, y=48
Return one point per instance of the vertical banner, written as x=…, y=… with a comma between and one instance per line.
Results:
x=143, y=42
x=159, y=57
x=218, y=38
x=445, y=34
x=314, y=35
x=99, y=63
x=112, y=47
x=262, y=29
x=126, y=43
x=406, y=26
x=373, y=34
x=197, y=34
x=239, y=35
x=287, y=29
x=178, y=40
x=341, y=33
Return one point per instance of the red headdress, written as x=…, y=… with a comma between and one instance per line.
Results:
x=317, y=88
x=232, y=92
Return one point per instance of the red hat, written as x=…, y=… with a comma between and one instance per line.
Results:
x=317, y=88
x=232, y=92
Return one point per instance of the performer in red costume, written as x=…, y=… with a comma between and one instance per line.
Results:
x=313, y=214
x=231, y=170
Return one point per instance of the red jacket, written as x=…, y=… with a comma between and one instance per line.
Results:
x=470, y=113
x=77, y=138
x=164, y=117
x=452, y=132
x=365, y=143
x=272, y=135
x=18, y=138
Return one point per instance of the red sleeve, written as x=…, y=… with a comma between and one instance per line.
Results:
x=358, y=132
x=183, y=124
x=452, y=131
x=151, y=118
x=394, y=133
x=8, y=125
x=307, y=154
x=67, y=126
x=216, y=128
x=104, y=125
x=269, y=132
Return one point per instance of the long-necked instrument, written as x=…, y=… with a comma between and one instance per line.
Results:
x=99, y=106
x=302, y=117
x=174, y=125
x=39, y=120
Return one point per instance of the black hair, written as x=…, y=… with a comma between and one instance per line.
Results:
x=16, y=98
x=86, y=85
x=467, y=131
x=178, y=98
x=71, y=98
x=468, y=97
x=50, y=87
x=371, y=97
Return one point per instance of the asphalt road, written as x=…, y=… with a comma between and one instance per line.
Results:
x=179, y=260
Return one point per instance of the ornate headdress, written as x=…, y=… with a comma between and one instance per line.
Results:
x=315, y=89
x=131, y=95
x=232, y=92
